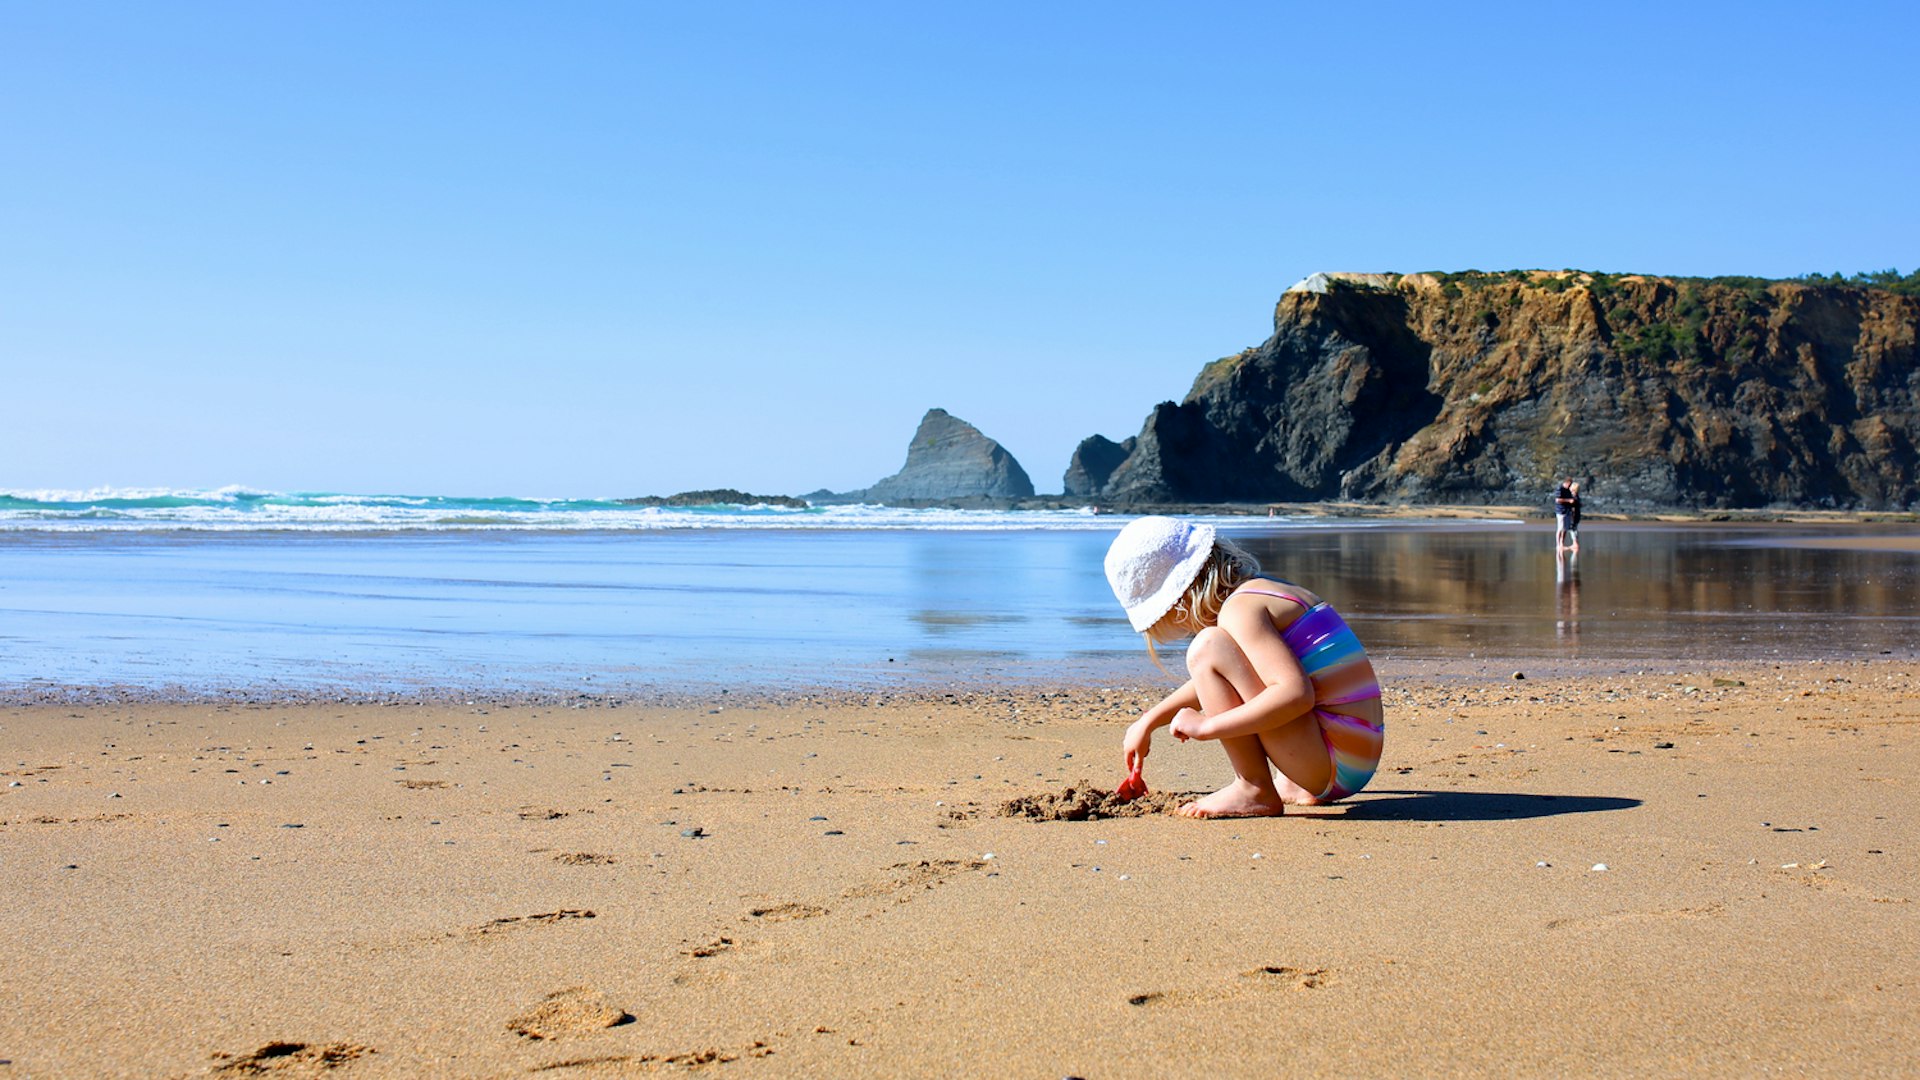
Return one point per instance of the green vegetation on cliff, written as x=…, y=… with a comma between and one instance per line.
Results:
x=1454, y=281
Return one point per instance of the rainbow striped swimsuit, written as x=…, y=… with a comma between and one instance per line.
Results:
x=1341, y=674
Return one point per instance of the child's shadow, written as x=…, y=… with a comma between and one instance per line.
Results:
x=1377, y=805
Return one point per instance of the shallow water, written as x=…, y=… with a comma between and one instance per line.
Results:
x=604, y=612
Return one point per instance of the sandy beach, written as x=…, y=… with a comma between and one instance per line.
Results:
x=830, y=886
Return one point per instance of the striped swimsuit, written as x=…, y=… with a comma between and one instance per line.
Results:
x=1341, y=674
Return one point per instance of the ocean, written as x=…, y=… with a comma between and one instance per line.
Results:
x=251, y=592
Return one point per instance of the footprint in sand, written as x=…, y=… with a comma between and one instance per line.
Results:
x=1291, y=978
x=577, y=1010
x=510, y=922
x=712, y=948
x=1821, y=882
x=787, y=912
x=583, y=858
x=691, y=1059
x=1614, y=918
x=913, y=878
x=908, y=880
x=1260, y=980
x=290, y=1058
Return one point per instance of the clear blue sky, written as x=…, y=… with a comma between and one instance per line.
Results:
x=625, y=248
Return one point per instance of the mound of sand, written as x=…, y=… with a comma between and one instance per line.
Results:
x=574, y=1011
x=1086, y=803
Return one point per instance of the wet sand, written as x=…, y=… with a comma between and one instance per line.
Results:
x=827, y=886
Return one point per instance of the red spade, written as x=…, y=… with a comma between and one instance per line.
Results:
x=1132, y=787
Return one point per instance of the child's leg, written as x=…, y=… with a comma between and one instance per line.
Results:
x=1224, y=678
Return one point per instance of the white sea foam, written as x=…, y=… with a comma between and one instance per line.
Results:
x=237, y=508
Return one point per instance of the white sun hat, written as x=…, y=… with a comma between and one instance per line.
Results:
x=1153, y=562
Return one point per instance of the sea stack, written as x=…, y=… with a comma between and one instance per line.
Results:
x=950, y=459
x=1093, y=463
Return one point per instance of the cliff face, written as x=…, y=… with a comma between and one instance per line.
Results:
x=1485, y=387
x=949, y=459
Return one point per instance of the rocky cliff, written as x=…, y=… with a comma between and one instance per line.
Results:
x=947, y=460
x=1723, y=392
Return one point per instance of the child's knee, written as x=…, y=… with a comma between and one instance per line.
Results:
x=1212, y=647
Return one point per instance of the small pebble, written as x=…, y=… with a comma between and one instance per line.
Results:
x=1126, y=877
x=817, y=817
x=988, y=855
x=1543, y=864
x=694, y=833
x=1599, y=866
x=1257, y=855
x=833, y=832
x=1519, y=674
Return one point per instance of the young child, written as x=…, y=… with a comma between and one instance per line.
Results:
x=1277, y=676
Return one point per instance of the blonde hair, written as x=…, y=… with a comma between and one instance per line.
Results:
x=1228, y=567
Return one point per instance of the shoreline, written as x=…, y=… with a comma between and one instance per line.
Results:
x=828, y=886
x=1282, y=513
x=908, y=691
x=1530, y=512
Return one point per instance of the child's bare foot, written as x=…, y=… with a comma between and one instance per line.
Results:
x=1238, y=799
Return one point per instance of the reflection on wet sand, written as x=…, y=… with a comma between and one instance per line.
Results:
x=1566, y=595
x=948, y=622
x=1647, y=592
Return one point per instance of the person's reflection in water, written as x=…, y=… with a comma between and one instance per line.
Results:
x=1566, y=594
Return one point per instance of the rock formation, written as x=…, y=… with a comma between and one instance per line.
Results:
x=1093, y=463
x=716, y=497
x=947, y=460
x=1723, y=392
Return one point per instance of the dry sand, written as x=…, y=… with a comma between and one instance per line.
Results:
x=827, y=887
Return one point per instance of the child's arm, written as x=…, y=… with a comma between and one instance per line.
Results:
x=1285, y=695
x=1140, y=733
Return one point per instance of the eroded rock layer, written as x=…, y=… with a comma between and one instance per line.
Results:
x=1726, y=392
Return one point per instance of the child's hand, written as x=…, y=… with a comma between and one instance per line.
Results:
x=1187, y=724
x=1139, y=743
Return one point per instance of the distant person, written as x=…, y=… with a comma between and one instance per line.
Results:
x=1573, y=517
x=1563, y=503
x=1278, y=677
